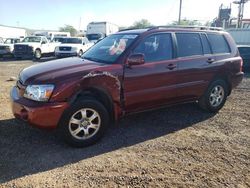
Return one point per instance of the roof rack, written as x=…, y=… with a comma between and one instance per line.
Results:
x=133, y=28
x=187, y=27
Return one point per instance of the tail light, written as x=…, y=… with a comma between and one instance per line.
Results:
x=241, y=64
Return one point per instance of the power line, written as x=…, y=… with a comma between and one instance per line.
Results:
x=241, y=4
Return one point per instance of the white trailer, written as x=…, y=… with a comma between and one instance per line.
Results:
x=241, y=35
x=12, y=32
x=97, y=30
x=51, y=34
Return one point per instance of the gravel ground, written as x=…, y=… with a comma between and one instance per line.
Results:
x=179, y=146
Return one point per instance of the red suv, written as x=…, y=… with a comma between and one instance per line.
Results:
x=125, y=73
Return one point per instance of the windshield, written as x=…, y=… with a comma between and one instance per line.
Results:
x=94, y=36
x=110, y=48
x=32, y=39
x=72, y=41
x=58, y=40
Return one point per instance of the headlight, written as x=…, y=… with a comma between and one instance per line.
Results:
x=31, y=49
x=39, y=92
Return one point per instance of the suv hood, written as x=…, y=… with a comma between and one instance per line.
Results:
x=57, y=70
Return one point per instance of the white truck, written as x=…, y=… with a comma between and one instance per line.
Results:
x=34, y=46
x=7, y=48
x=98, y=30
x=73, y=46
x=240, y=35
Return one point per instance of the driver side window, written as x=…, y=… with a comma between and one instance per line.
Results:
x=156, y=47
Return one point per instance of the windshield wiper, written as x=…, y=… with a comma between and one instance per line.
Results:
x=96, y=60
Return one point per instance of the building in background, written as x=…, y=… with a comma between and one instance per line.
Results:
x=12, y=32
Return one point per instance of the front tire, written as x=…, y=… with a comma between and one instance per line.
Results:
x=38, y=54
x=80, y=53
x=84, y=123
x=215, y=96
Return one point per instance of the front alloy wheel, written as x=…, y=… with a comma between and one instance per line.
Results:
x=84, y=124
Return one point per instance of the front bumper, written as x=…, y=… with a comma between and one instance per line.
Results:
x=38, y=114
x=5, y=53
x=23, y=54
x=65, y=54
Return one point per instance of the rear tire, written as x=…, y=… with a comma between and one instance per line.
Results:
x=84, y=123
x=215, y=96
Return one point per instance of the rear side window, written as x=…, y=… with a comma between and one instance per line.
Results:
x=218, y=43
x=156, y=47
x=205, y=44
x=189, y=44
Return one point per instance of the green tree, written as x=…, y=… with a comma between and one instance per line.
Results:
x=143, y=23
x=68, y=28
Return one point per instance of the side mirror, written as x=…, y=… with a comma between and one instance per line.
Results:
x=43, y=42
x=136, y=59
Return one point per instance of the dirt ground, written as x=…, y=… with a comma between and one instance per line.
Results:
x=179, y=146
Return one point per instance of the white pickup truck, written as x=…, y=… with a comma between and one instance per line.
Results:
x=72, y=46
x=7, y=48
x=34, y=46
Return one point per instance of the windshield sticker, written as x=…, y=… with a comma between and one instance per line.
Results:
x=118, y=48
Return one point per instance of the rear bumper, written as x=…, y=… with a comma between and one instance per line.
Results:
x=237, y=79
x=37, y=114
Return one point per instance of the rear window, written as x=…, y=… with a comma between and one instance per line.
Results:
x=189, y=44
x=218, y=43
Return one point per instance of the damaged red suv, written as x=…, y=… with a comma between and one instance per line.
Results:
x=125, y=73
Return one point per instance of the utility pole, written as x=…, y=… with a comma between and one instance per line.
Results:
x=179, y=20
x=241, y=4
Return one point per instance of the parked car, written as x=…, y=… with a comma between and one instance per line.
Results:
x=126, y=73
x=7, y=48
x=245, y=54
x=72, y=47
x=34, y=46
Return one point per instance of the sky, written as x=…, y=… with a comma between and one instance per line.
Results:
x=52, y=14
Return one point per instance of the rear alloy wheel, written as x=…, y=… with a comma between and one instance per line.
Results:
x=84, y=123
x=215, y=96
x=38, y=54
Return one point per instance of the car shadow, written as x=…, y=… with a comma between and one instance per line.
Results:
x=26, y=150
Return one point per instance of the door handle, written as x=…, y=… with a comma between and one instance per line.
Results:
x=171, y=66
x=210, y=60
